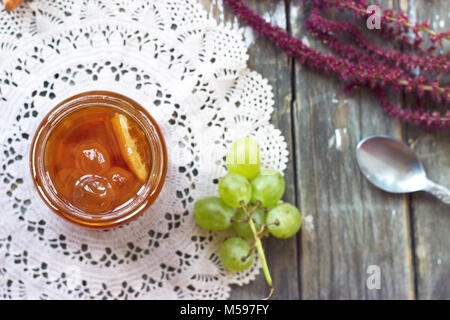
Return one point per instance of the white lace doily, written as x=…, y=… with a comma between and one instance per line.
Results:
x=191, y=74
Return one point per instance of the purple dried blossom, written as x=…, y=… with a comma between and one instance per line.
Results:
x=369, y=65
x=431, y=120
x=324, y=27
x=400, y=20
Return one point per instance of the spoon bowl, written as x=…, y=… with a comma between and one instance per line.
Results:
x=392, y=166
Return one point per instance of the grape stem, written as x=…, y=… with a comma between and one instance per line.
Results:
x=260, y=233
x=249, y=253
x=259, y=247
x=275, y=223
x=240, y=221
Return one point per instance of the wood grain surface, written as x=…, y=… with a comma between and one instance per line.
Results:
x=348, y=225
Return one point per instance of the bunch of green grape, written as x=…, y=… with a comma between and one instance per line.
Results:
x=250, y=203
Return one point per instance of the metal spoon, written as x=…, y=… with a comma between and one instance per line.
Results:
x=392, y=166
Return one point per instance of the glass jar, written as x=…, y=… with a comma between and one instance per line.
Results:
x=143, y=198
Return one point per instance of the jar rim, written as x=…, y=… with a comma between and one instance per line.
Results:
x=146, y=195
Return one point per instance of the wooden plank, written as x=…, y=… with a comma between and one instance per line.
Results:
x=349, y=224
x=274, y=66
x=431, y=219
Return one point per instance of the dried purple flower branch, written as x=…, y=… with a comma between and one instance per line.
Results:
x=392, y=69
x=317, y=23
x=425, y=118
x=401, y=20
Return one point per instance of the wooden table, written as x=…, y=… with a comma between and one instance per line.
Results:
x=348, y=224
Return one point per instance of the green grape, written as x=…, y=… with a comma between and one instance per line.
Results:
x=243, y=228
x=244, y=158
x=234, y=188
x=284, y=220
x=211, y=213
x=232, y=251
x=268, y=187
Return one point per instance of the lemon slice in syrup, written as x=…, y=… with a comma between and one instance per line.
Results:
x=128, y=146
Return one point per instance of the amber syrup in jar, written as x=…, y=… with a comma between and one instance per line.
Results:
x=97, y=160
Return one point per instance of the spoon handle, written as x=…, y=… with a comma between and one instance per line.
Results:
x=440, y=192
